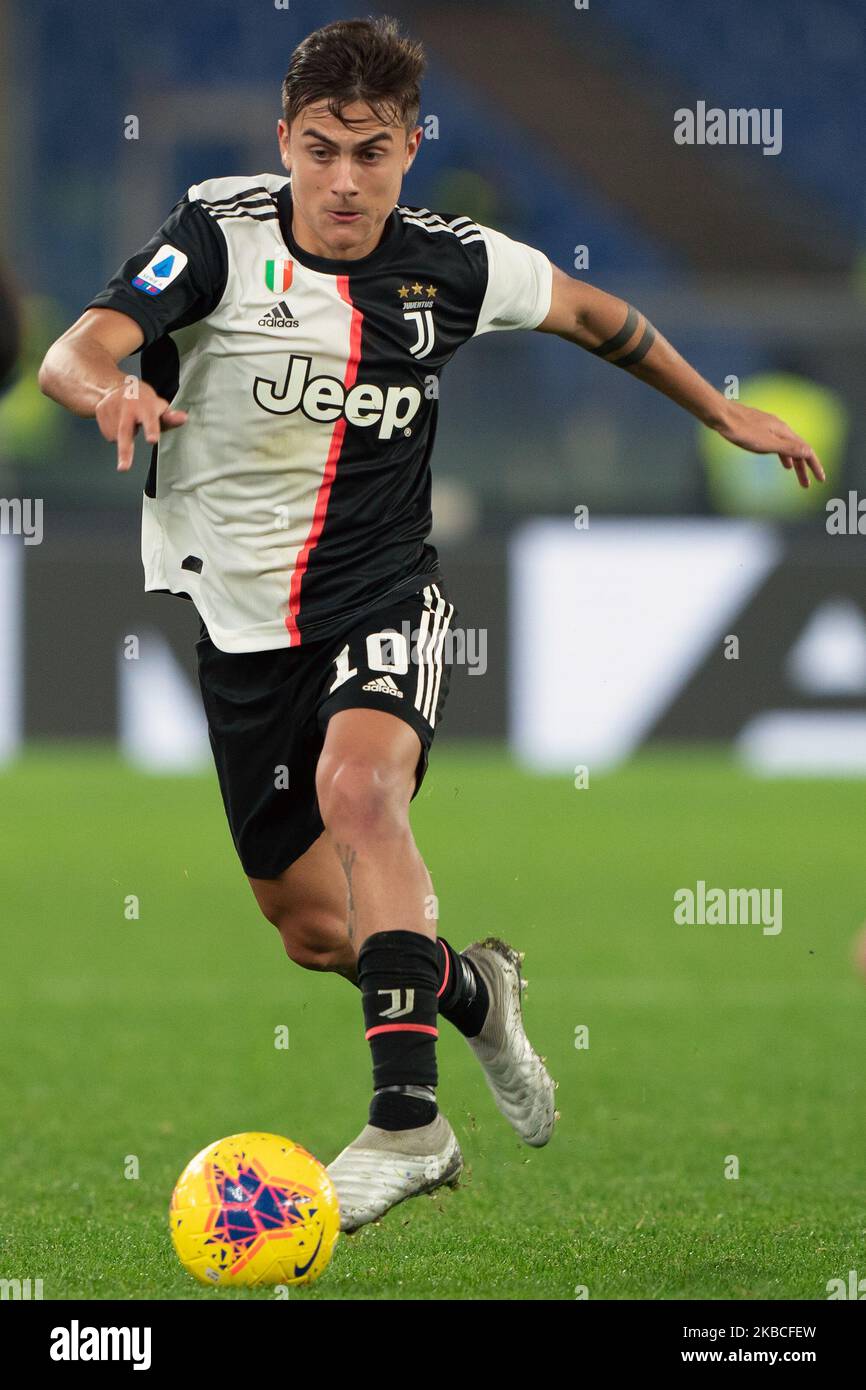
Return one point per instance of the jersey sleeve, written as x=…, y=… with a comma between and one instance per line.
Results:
x=177, y=278
x=518, y=284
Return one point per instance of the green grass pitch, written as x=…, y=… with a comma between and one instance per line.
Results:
x=153, y=1037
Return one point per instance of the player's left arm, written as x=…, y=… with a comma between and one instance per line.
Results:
x=612, y=329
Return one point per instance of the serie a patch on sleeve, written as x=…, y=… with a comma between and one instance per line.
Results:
x=159, y=272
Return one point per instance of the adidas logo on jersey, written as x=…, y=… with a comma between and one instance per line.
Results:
x=280, y=316
x=383, y=685
x=324, y=399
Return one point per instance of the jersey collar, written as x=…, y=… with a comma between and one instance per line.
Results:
x=393, y=226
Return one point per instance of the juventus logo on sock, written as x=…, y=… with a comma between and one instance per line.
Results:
x=397, y=975
x=402, y=1002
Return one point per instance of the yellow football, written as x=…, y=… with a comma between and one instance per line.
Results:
x=254, y=1209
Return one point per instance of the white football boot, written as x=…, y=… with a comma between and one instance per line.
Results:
x=521, y=1085
x=383, y=1167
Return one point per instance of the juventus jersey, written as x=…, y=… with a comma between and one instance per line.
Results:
x=297, y=495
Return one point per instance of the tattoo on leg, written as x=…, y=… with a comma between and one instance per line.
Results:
x=347, y=858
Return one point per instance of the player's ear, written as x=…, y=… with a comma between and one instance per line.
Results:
x=412, y=144
x=283, y=141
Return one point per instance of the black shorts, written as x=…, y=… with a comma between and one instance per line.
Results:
x=267, y=714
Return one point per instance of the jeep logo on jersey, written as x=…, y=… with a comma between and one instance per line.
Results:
x=325, y=398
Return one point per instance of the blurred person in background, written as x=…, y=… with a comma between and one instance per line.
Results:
x=10, y=334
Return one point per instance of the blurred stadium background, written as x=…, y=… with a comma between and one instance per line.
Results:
x=556, y=125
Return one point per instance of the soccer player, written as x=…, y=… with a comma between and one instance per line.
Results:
x=289, y=328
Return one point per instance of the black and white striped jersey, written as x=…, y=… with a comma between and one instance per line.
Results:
x=297, y=496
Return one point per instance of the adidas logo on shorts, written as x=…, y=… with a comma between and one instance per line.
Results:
x=385, y=686
x=279, y=316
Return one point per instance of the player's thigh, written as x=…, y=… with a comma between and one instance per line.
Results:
x=367, y=768
x=384, y=694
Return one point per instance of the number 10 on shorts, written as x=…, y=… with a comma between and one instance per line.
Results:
x=387, y=651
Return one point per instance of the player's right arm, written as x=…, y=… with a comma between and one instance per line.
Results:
x=176, y=279
x=80, y=371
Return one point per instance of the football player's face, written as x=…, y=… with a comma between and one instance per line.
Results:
x=345, y=181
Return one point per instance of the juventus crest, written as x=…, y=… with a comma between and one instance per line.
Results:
x=418, y=302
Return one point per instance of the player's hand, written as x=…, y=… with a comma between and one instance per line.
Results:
x=761, y=433
x=132, y=406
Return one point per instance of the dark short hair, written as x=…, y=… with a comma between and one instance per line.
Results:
x=353, y=60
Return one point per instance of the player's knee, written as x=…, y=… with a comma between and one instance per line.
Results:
x=360, y=799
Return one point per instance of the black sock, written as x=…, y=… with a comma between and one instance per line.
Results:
x=398, y=977
x=463, y=997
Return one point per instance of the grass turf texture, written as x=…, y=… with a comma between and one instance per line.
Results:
x=154, y=1037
